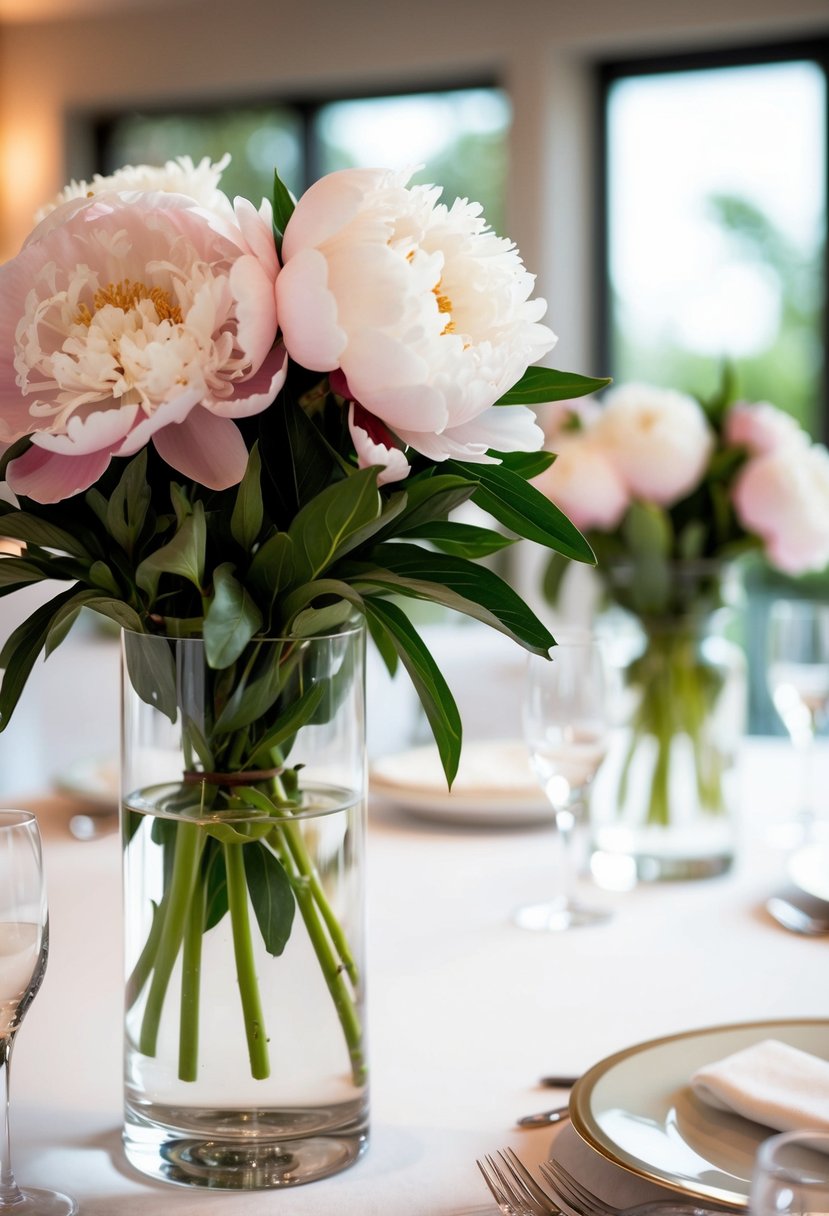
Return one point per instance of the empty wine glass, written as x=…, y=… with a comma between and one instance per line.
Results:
x=791, y=1175
x=565, y=729
x=798, y=679
x=24, y=938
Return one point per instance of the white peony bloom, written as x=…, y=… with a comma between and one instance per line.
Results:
x=180, y=176
x=658, y=439
x=583, y=482
x=425, y=310
x=783, y=497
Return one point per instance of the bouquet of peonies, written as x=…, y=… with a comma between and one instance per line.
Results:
x=668, y=490
x=230, y=423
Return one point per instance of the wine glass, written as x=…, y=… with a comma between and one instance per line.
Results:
x=24, y=941
x=565, y=729
x=791, y=1175
x=798, y=679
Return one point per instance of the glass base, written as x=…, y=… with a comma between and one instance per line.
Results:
x=559, y=914
x=244, y=1150
x=622, y=871
x=38, y=1202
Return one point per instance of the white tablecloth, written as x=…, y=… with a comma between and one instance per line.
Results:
x=466, y=1010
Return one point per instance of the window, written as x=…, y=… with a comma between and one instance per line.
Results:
x=459, y=136
x=716, y=225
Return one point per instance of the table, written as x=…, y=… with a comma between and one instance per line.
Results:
x=466, y=1011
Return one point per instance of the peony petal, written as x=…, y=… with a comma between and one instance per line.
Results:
x=391, y=459
x=506, y=428
x=257, y=229
x=307, y=312
x=392, y=381
x=47, y=477
x=168, y=412
x=328, y=205
x=256, y=393
x=205, y=448
x=253, y=293
x=103, y=429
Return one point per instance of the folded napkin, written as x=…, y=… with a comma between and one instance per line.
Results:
x=771, y=1083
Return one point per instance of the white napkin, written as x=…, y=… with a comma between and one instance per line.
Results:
x=771, y=1083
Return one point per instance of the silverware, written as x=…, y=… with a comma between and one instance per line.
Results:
x=545, y=1118
x=513, y=1188
x=568, y=1191
x=798, y=911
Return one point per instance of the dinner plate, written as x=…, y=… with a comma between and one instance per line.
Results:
x=636, y=1108
x=494, y=785
x=809, y=869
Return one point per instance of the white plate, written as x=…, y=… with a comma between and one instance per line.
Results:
x=636, y=1108
x=94, y=782
x=494, y=785
x=809, y=870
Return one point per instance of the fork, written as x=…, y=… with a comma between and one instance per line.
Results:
x=513, y=1187
x=574, y=1195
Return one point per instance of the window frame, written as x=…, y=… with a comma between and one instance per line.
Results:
x=608, y=73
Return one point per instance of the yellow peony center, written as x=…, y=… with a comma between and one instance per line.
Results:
x=444, y=306
x=126, y=295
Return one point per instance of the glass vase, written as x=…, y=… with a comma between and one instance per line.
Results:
x=243, y=826
x=664, y=804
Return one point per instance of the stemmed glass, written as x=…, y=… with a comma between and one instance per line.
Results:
x=798, y=679
x=791, y=1175
x=565, y=729
x=24, y=940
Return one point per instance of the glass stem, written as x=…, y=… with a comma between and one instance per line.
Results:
x=10, y=1193
x=565, y=823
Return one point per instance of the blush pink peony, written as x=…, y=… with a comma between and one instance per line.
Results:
x=137, y=317
x=783, y=497
x=425, y=311
x=583, y=482
x=761, y=427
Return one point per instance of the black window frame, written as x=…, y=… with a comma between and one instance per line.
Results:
x=608, y=73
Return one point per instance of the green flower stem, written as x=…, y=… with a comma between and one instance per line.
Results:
x=307, y=869
x=146, y=960
x=334, y=971
x=188, y=1039
x=237, y=900
x=189, y=845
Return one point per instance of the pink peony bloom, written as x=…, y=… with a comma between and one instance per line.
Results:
x=584, y=483
x=130, y=318
x=424, y=309
x=658, y=440
x=783, y=497
x=761, y=427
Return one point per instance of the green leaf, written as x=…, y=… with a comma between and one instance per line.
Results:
x=272, y=567
x=314, y=621
x=101, y=575
x=460, y=585
x=215, y=886
x=541, y=384
x=183, y=555
x=334, y=522
x=248, y=512
x=526, y=464
x=17, y=571
x=461, y=540
x=127, y=508
x=21, y=652
x=151, y=670
x=299, y=712
x=231, y=620
x=525, y=510
x=271, y=895
x=435, y=696
x=433, y=497
x=385, y=644
x=647, y=530
x=553, y=577
x=19, y=525
x=301, y=597
x=296, y=462
x=254, y=691
x=283, y=207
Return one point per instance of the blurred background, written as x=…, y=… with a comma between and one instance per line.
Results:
x=662, y=169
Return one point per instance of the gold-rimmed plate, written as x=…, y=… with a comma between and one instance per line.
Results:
x=636, y=1108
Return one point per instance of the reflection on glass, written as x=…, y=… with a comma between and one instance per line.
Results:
x=717, y=215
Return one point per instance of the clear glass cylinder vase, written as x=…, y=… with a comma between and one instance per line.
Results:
x=664, y=804
x=243, y=826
